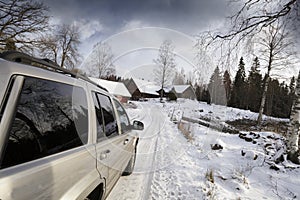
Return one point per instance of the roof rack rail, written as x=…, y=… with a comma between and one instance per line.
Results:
x=19, y=57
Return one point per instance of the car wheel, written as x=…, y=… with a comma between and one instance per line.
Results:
x=129, y=168
x=96, y=194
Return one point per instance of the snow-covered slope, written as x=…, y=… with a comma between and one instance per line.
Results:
x=169, y=166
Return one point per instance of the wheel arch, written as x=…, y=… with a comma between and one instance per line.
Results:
x=85, y=186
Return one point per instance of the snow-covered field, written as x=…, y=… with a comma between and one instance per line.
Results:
x=171, y=165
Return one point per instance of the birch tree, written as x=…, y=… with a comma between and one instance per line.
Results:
x=275, y=45
x=165, y=65
x=293, y=129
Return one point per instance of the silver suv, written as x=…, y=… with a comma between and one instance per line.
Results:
x=61, y=135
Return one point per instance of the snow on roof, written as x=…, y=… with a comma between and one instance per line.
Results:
x=168, y=89
x=146, y=86
x=115, y=88
x=180, y=88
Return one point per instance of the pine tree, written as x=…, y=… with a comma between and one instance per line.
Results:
x=216, y=88
x=284, y=111
x=227, y=84
x=198, y=92
x=239, y=89
x=254, y=86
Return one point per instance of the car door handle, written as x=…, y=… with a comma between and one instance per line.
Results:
x=126, y=141
x=103, y=154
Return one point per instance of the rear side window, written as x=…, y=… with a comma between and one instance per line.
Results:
x=51, y=117
x=100, y=127
x=124, y=121
x=109, y=118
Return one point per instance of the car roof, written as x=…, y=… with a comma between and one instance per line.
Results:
x=14, y=62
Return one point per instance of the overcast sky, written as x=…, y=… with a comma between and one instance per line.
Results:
x=106, y=20
x=112, y=16
x=177, y=20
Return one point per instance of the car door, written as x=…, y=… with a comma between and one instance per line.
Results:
x=130, y=136
x=109, y=144
x=46, y=153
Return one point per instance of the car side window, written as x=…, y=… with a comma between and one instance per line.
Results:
x=50, y=117
x=109, y=118
x=100, y=127
x=124, y=120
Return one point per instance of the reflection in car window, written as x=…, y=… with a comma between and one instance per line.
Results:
x=111, y=127
x=51, y=117
x=124, y=121
x=100, y=127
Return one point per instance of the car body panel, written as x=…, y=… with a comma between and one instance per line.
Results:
x=71, y=174
x=53, y=175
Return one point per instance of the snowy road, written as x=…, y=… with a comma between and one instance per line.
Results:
x=138, y=185
x=166, y=165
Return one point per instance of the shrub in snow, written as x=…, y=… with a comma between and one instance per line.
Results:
x=216, y=147
x=209, y=175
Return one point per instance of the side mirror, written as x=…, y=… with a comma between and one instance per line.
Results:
x=137, y=125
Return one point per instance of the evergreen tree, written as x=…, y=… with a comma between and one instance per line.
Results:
x=254, y=86
x=227, y=84
x=198, y=92
x=216, y=88
x=271, y=97
x=285, y=101
x=239, y=90
x=205, y=97
x=277, y=99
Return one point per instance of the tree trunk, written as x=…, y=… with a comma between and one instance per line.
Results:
x=266, y=85
x=162, y=86
x=62, y=60
x=293, y=129
x=263, y=99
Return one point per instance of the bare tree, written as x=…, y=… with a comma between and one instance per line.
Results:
x=19, y=19
x=68, y=40
x=100, y=62
x=251, y=19
x=62, y=45
x=202, y=59
x=49, y=47
x=275, y=46
x=165, y=65
x=253, y=15
x=179, y=78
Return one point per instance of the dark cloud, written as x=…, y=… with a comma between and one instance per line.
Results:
x=182, y=15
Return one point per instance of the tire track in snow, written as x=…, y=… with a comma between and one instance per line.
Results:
x=138, y=185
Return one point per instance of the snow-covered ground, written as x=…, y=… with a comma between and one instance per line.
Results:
x=170, y=165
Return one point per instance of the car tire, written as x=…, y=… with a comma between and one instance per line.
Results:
x=130, y=166
x=96, y=194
